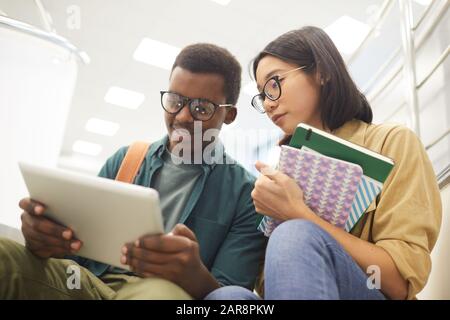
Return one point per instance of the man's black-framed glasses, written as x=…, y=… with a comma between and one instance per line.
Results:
x=271, y=90
x=200, y=109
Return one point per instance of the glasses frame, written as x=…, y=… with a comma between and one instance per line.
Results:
x=277, y=79
x=188, y=101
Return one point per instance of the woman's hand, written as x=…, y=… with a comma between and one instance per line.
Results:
x=277, y=195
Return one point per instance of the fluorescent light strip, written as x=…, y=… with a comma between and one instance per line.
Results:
x=156, y=53
x=103, y=127
x=124, y=98
x=347, y=33
x=89, y=148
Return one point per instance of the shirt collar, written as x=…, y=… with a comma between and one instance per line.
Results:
x=353, y=131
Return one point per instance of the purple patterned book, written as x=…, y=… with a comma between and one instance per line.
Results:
x=329, y=185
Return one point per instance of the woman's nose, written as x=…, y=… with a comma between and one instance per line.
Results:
x=270, y=105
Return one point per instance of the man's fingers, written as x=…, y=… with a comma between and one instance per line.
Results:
x=163, y=243
x=30, y=231
x=148, y=275
x=51, y=253
x=25, y=204
x=144, y=268
x=146, y=255
x=138, y=265
x=53, y=242
x=184, y=231
x=47, y=226
x=38, y=247
x=53, y=229
x=32, y=206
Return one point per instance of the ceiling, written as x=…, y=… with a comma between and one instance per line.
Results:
x=110, y=31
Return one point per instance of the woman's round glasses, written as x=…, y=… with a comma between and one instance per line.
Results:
x=271, y=90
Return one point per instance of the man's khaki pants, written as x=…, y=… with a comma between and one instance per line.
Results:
x=24, y=276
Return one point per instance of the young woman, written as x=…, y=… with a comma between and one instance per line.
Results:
x=303, y=79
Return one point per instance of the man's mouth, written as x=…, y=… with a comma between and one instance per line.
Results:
x=181, y=132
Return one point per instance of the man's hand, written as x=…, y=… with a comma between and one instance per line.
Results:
x=43, y=237
x=174, y=257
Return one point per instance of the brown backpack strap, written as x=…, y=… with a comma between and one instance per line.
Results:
x=132, y=161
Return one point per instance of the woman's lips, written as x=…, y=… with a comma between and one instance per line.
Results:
x=276, y=118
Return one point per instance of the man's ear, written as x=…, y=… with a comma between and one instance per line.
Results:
x=231, y=115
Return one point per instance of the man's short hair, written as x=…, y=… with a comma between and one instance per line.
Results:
x=209, y=58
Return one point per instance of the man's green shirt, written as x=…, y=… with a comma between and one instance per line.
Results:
x=219, y=211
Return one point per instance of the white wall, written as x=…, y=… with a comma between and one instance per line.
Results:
x=36, y=80
x=434, y=115
x=433, y=97
x=438, y=286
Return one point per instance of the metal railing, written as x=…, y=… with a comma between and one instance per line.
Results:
x=438, y=139
x=438, y=63
x=424, y=15
x=443, y=177
x=44, y=35
x=409, y=63
x=427, y=24
x=434, y=23
x=382, y=70
x=381, y=16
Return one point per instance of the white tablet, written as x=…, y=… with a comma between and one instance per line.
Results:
x=104, y=214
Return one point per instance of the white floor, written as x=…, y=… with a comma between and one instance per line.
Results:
x=11, y=233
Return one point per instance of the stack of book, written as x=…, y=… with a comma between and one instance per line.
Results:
x=339, y=179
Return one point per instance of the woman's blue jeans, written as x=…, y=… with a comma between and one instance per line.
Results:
x=303, y=262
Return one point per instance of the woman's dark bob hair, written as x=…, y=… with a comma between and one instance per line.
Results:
x=340, y=100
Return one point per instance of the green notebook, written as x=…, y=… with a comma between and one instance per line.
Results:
x=374, y=165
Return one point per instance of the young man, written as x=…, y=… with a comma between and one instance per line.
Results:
x=206, y=205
